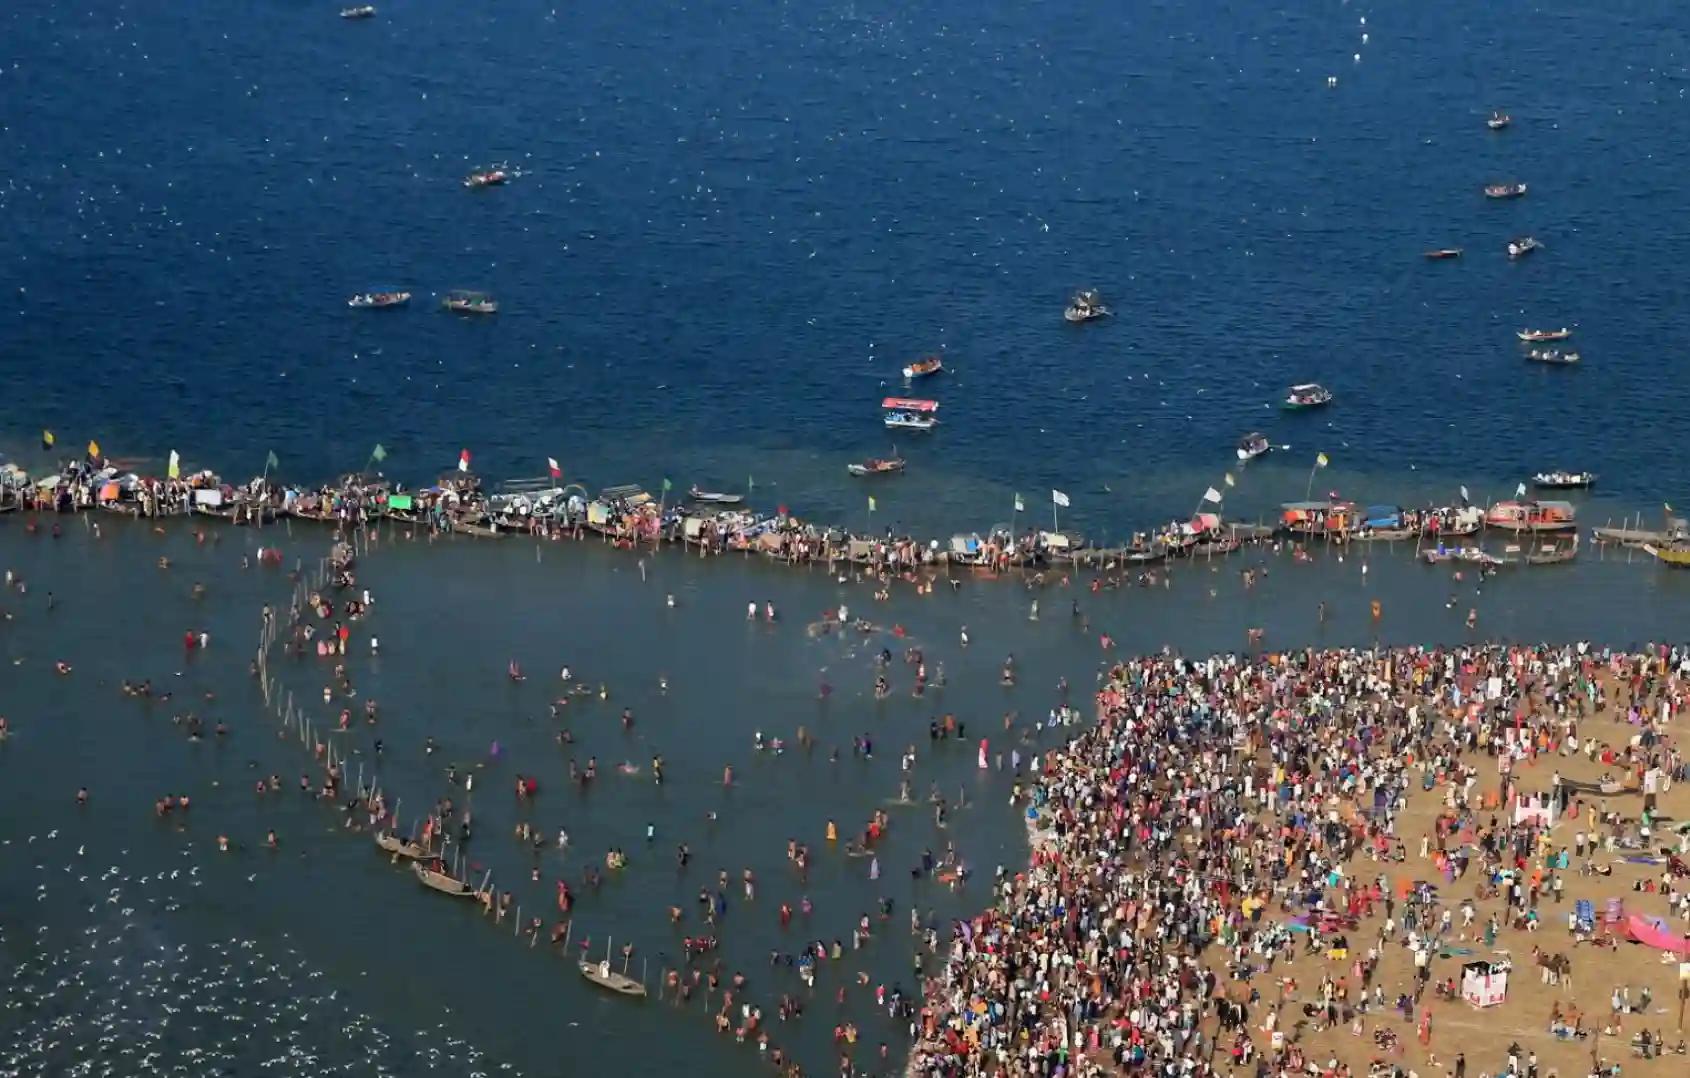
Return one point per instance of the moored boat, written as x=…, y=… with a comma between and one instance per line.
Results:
x=877, y=466
x=1676, y=554
x=1504, y=190
x=461, y=302
x=1437, y=253
x=1472, y=554
x=1085, y=307
x=1521, y=246
x=486, y=177
x=1498, y=121
x=401, y=847
x=1253, y=445
x=1552, y=356
x=379, y=299
x=908, y=413
x=714, y=497
x=921, y=368
x=602, y=975
x=1531, y=516
x=1552, y=553
x=1538, y=336
x=433, y=874
x=1563, y=480
x=1308, y=395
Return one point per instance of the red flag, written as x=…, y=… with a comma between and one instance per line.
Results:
x=557, y=472
x=463, y=461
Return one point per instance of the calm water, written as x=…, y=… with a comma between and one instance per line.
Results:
x=733, y=224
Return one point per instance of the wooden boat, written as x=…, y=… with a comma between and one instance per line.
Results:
x=877, y=466
x=1086, y=306
x=1552, y=356
x=362, y=11
x=906, y=413
x=1469, y=554
x=487, y=177
x=1531, y=516
x=1553, y=553
x=602, y=975
x=1521, y=246
x=379, y=299
x=1443, y=252
x=432, y=874
x=391, y=843
x=1253, y=445
x=1538, y=336
x=1504, y=190
x=1675, y=554
x=1563, y=480
x=1308, y=395
x=1498, y=121
x=921, y=368
x=462, y=302
x=711, y=497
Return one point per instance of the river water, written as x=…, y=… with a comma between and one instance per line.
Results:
x=734, y=223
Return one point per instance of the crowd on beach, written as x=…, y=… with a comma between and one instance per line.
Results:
x=1226, y=815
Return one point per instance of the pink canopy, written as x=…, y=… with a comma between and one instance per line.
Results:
x=1653, y=932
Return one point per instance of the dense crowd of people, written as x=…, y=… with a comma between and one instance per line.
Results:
x=1227, y=814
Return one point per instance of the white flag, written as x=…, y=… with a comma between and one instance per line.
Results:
x=1059, y=498
x=1019, y=507
x=1212, y=495
x=1465, y=496
x=1520, y=491
x=1229, y=480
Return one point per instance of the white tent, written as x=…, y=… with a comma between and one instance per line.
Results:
x=1484, y=984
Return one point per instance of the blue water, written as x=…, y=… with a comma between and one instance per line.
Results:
x=735, y=222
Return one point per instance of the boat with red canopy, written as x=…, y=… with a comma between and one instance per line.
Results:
x=910, y=413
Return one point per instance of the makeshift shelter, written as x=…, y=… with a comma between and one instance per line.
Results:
x=1484, y=984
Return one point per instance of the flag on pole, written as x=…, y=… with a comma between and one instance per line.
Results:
x=1320, y=460
x=47, y=439
x=174, y=471
x=556, y=470
x=1212, y=495
x=93, y=449
x=1059, y=498
x=667, y=486
x=378, y=454
x=463, y=461
x=750, y=482
x=1020, y=506
x=1668, y=505
x=1520, y=491
x=1464, y=495
x=1231, y=482
x=871, y=503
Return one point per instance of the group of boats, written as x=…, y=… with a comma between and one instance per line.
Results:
x=458, y=301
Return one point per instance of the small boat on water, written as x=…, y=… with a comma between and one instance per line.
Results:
x=486, y=177
x=401, y=847
x=908, y=413
x=379, y=299
x=1504, y=190
x=921, y=368
x=434, y=874
x=712, y=497
x=1532, y=516
x=1521, y=246
x=602, y=975
x=1086, y=306
x=1552, y=356
x=1438, y=253
x=1536, y=336
x=362, y=11
x=1676, y=554
x=1564, y=480
x=877, y=466
x=1471, y=554
x=461, y=302
x=1308, y=395
x=1253, y=445
x=1498, y=121
x=1552, y=553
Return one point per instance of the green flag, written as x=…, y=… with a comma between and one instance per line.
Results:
x=871, y=503
x=379, y=454
x=270, y=460
x=667, y=486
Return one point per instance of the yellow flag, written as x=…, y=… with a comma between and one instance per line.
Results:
x=1321, y=460
x=47, y=439
x=175, y=465
x=93, y=449
x=871, y=503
